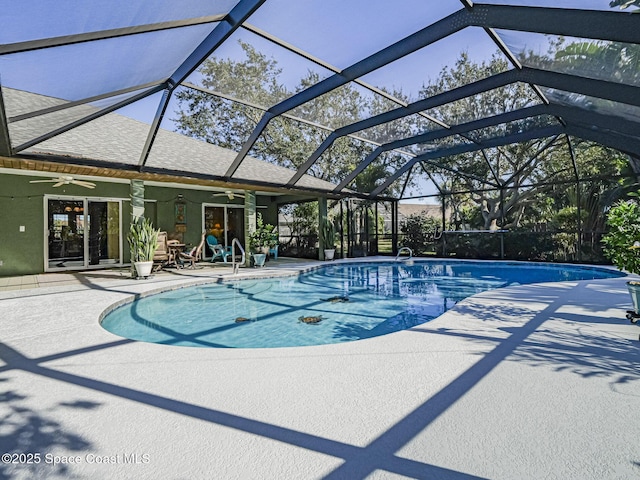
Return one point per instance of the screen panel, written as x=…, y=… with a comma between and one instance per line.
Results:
x=342, y=33
x=39, y=19
x=84, y=70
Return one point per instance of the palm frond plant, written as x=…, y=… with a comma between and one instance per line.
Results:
x=143, y=243
x=328, y=238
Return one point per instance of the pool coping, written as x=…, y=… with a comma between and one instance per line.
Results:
x=259, y=274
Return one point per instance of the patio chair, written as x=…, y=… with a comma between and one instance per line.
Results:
x=274, y=251
x=195, y=254
x=162, y=256
x=217, y=250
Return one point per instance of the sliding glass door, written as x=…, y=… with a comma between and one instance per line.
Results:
x=225, y=222
x=66, y=233
x=83, y=233
x=104, y=232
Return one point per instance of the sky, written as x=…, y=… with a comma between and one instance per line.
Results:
x=341, y=32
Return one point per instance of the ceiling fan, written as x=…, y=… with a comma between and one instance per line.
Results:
x=66, y=180
x=229, y=194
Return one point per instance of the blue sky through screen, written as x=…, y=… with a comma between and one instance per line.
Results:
x=340, y=32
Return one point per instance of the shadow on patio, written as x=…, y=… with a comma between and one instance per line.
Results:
x=587, y=356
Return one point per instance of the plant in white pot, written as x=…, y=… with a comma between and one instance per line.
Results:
x=328, y=238
x=143, y=243
x=622, y=244
x=262, y=240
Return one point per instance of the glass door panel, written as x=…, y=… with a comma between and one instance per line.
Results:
x=213, y=223
x=104, y=232
x=235, y=225
x=224, y=223
x=66, y=225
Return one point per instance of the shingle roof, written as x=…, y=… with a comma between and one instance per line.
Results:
x=118, y=139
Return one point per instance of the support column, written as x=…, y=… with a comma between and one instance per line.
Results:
x=502, y=223
x=249, y=222
x=342, y=255
x=394, y=227
x=444, y=225
x=578, y=199
x=322, y=217
x=376, y=234
x=136, y=210
x=136, y=194
x=349, y=230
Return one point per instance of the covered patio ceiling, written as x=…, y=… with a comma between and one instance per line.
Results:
x=139, y=53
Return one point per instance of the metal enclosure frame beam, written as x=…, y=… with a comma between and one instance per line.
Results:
x=588, y=118
x=407, y=45
x=622, y=143
x=86, y=119
x=443, y=133
x=30, y=45
x=155, y=126
x=490, y=83
x=578, y=195
x=574, y=115
x=467, y=148
x=593, y=24
x=586, y=86
x=600, y=25
x=219, y=34
x=232, y=21
x=84, y=101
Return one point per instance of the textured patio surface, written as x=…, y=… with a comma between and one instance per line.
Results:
x=528, y=382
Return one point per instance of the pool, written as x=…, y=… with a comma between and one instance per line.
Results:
x=336, y=303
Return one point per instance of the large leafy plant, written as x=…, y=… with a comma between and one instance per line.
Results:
x=622, y=242
x=143, y=240
x=265, y=235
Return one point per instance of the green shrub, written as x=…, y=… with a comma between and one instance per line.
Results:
x=622, y=241
x=419, y=231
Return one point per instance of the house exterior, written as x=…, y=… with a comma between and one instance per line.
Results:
x=52, y=220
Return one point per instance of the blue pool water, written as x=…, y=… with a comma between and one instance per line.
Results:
x=353, y=301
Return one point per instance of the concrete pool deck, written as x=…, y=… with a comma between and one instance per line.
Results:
x=527, y=382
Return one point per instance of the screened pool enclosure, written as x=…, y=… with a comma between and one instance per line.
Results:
x=518, y=119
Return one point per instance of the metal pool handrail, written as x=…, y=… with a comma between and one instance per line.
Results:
x=233, y=255
x=402, y=250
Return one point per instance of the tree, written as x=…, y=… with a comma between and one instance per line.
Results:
x=512, y=166
x=223, y=122
x=604, y=60
x=622, y=4
x=255, y=79
x=507, y=186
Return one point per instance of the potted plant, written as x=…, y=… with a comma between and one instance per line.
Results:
x=622, y=243
x=143, y=242
x=262, y=240
x=328, y=238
